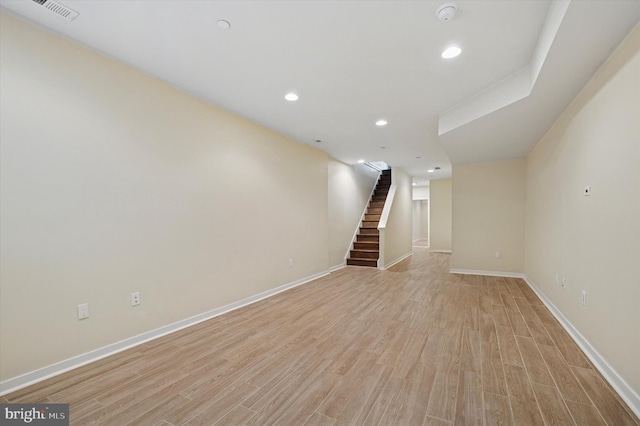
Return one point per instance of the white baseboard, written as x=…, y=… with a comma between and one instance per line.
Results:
x=439, y=251
x=625, y=391
x=44, y=373
x=337, y=267
x=398, y=260
x=487, y=273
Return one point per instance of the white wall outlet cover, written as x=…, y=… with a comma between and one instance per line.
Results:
x=587, y=191
x=83, y=311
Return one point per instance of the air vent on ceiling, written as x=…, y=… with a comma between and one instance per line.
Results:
x=58, y=9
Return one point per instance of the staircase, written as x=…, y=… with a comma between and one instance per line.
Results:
x=366, y=248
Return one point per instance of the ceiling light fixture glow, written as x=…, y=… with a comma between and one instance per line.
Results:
x=381, y=123
x=291, y=97
x=224, y=25
x=451, y=52
x=430, y=171
x=360, y=161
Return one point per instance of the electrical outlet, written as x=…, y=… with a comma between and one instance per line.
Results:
x=135, y=299
x=498, y=254
x=564, y=282
x=83, y=311
x=587, y=191
x=584, y=298
x=290, y=262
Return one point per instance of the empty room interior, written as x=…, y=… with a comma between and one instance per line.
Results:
x=320, y=212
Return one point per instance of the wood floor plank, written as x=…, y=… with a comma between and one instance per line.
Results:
x=487, y=327
x=469, y=403
x=413, y=345
x=318, y=420
x=452, y=339
x=564, y=378
x=431, y=421
x=514, y=286
x=470, y=354
x=389, y=356
x=608, y=404
x=535, y=365
x=485, y=303
x=585, y=414
x=209, y=407
x=384, y=403
x=358, y=403
x=538, y=332
x=493, y=380
x=309, y=398
x=569, y=350
x=239, y=415
x=115, y=402
x=518, y=325
x=433, y=347
x=365, y=368
x=528, y=293
x=313, y=383
x=500, y=317
x=509, y=302
x=151, y=412
x=442, y=401
x=508, y=347
x=410, y=354
x=524, y=405
x=84, y=408
x=552, y=406
x=418, y=389
x=497, y=411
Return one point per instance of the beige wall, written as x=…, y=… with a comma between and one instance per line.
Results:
x=420, y=192
x=440, y=214
x=593, y=242
x=397, y=235
x=114, y=182
x=349, y=190
x=420, y=230
x=488, y=216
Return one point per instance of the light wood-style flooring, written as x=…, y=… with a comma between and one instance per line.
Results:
x=413, y=345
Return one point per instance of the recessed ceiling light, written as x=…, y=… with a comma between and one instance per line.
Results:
x=430, y=171
x=383, y=147
x=451, y=52
x=418, y=157
x=291, y=97
x=318, y=140
x=414, y=184
x=360, y=161
x=224, y=25
x=381, y=123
